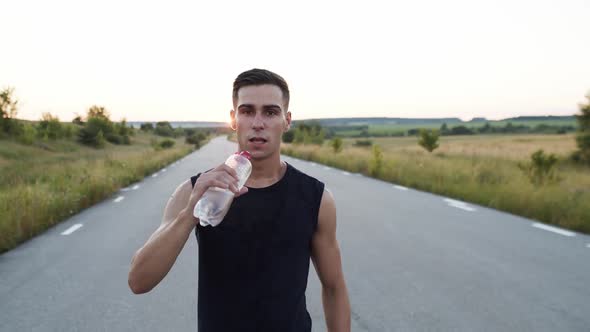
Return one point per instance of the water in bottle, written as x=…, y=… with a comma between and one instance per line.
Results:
x=213, y=206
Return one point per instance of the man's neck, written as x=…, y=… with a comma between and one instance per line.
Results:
x=266, y=172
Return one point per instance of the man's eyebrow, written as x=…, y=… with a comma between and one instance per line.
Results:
x=264, y=106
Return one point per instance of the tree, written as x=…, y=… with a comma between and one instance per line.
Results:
x=429, y=139
x=289, y=136
x=444, y=129
x=337, y=144
x=8, y=110
x=583, y=136
x=98, y=112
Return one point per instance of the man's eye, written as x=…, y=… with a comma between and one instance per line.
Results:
x=271, y=112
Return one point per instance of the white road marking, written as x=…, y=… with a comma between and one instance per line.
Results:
x=588, y=245
x=554, y=229
x=118, y=199
x=400, y=187
x=135, y=187
x=125, y=189
x=459, y=205
x=154, y=175
x=71, y=229
x=327, y=168
x=345, y=173
x=358, y=174
x=164, y=170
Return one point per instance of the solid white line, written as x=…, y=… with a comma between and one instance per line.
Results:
x=400, y=187
x=118, y=199
x=554, y=229
x=345, y=173
x=71, y=229
x=135, y=187
x=154, y=175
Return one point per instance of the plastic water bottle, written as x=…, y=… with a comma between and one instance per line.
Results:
x=213, y=206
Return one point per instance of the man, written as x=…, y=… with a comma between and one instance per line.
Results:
x=253, y=266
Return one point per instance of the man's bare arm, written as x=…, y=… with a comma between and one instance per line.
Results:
x=153, y=261
x=328, y=265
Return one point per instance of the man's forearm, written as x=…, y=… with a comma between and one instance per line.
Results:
x=336, y=308
x=152, y=262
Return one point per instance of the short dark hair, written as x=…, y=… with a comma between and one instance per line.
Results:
x=259, y=77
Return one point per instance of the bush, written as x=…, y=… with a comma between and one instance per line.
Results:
x=146, y=127
x=167, y=143
x=363, y=142
x=336, y=144
x=196, y=138
x=89, y=134
x=28, y=135
x=541, y=169
x=376, y=163
x=583, y=136
x=163, y=128
x=49, y=127
x=428, y=139
x=289, y=136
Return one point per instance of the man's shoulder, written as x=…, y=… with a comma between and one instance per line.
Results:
x=306, y=178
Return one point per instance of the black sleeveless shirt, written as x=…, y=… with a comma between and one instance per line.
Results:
x=253, y=266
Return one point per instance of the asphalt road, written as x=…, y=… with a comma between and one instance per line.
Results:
x=413, y=261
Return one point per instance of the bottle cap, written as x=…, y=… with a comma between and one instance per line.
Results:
x=245, y=154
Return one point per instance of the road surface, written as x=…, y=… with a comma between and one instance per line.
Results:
x=413, y=261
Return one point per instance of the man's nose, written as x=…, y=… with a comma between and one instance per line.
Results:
x=258, y=122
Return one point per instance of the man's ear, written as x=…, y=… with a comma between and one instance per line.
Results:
x=288, y=123
x=232, y=115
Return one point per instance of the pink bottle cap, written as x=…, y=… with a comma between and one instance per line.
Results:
x=245, y=154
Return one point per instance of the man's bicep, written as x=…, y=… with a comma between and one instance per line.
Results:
x=325, y=249
x=177, y=201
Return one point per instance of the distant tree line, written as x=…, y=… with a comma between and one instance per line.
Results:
x=94, y=129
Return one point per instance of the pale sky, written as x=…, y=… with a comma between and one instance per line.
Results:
x=176, y=60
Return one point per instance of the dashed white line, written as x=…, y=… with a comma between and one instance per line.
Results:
x=71, y=229
x=400, y=187
x=135, y=187
x=554, y=229
x=459, y=205
x=345, y=173
x=154, y=175
x=164, y=170
x=118, y=199
x=125, y=189
x=327, y=168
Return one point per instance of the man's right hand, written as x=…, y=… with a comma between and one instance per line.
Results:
x=222, y=176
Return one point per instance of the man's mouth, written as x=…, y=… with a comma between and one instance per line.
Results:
x=257, y=140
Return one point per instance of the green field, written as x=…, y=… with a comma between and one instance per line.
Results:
x=401, y=129
x=482, y=169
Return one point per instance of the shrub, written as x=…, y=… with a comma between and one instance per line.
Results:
x=336, y=144
x=429, y=139
x=49, y=127
x=167, y=143
x=541, y=169
x=363, y=142
x=376, y=163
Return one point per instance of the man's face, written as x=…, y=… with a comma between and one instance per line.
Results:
x=260, y=120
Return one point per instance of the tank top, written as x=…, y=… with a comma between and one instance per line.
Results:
x=253, y=266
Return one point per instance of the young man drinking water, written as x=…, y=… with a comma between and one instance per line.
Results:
x=253, y=266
